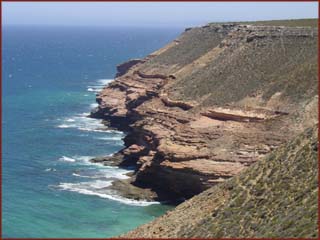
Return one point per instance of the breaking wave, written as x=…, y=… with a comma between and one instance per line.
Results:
x=94, y=178
x=99, y=85
x=84, y=123
x=102, y=177
x=98, y=188
x=67, y=159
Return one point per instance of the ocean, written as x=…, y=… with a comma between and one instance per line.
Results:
x=50, y=77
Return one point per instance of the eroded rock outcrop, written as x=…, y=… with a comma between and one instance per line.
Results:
x=124, y=67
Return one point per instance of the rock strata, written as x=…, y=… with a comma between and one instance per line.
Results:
x=275, y=198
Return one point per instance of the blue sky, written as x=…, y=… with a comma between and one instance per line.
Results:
x=151, y=13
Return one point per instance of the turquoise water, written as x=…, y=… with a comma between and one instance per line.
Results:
x=50, y=77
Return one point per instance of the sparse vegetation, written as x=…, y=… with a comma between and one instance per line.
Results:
x=311, y=22
x=192, y=44
x=276, y=197
x=265, y=65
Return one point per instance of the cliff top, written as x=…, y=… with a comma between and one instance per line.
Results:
x=308, y=22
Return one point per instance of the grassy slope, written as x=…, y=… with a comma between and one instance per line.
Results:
x=257, y=65
x=276, y=197
x=288, y=65
x=311, y=22
x=188, y=49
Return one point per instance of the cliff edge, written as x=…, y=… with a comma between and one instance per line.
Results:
x=211, y=103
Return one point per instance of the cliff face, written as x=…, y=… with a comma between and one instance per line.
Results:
x=213, y=102
x=275, y=198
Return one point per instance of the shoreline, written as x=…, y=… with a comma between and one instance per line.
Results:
x=125, y=187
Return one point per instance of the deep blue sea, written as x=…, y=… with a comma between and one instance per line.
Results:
x=49, y=80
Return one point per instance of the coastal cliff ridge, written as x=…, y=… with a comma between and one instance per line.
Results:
x=226, y=112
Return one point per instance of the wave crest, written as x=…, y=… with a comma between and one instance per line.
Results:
x=99, y=85
x=97, y=188
x=66, y=159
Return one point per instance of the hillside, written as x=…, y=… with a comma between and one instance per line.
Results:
x=276, y=197
x=210, y=104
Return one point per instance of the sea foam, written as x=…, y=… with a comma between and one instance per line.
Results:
x=103, y=177
x=99, y=85
x=83, y=122
x=97, y=188
x=66, y=159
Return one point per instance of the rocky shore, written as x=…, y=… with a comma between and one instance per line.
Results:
x=275, y=198
x=209, y=104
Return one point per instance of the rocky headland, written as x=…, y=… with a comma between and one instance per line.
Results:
x=206, y=107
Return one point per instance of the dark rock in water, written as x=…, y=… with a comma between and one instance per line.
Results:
x=125, y=189
x=96, y=113
x=117, y=159
x=114, y=160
